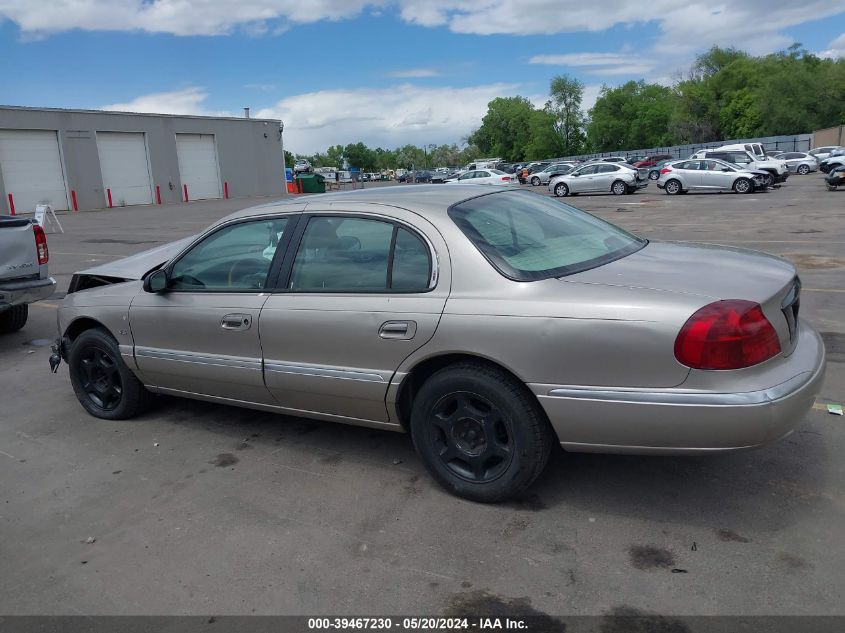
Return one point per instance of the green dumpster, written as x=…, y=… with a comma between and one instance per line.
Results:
x=312, y=183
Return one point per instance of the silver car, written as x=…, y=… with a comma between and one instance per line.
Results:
x=598, y=178
x=708, y=175
x=555, y=169
x=799, y=162
x=490, y=324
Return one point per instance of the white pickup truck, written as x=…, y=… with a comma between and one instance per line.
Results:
x=23, y=270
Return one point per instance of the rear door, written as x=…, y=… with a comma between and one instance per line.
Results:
x=201, y=335
x=605, y=177
x=362, y=292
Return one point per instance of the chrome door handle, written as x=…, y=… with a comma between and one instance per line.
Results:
x=236, y=322
x=398, y=329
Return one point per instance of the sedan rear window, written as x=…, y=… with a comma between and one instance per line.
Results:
x=528, y=237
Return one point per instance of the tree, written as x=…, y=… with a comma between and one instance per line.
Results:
x=505, y=129
x=566, y=94
x=635, y=115
x=289, y=159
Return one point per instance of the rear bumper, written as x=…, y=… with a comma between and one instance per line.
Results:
x=678, y=421
x=20, y=292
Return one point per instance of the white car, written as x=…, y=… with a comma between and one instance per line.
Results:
x=598, y=178
x=820, y=153
x=708, y=174
x=301, y=166
x=484, y=177
x=742, y=158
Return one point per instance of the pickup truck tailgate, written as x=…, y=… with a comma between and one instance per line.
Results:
x=18, y=254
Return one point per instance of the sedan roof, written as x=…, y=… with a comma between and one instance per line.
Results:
x=425, y=199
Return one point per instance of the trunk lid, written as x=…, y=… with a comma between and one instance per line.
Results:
x=18, y=255
x=711, y=272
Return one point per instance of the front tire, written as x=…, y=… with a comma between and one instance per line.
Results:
x=654, y=175
x=618, y=188
x=480, y=433
x=105, y=387
x=13, y=319
x=561, y=190
x=770, y=180
x=535, y=181
x=673, y=187
x=803, y=170
x=743, y=185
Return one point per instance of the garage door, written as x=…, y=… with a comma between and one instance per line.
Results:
x=198, y=165
x=32, y=169
x=125, y=169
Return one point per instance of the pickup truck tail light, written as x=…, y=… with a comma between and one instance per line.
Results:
x=728, y=334
x=41, y=244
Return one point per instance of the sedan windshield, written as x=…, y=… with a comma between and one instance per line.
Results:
x=528, y=237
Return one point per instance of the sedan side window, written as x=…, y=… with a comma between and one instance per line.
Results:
x=236, y=258
x=351, y=254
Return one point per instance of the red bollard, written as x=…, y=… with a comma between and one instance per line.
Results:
x=185, y=188
x=11, y=205
x=108, y=195
x=226, y=189
x=158, y=194
x=73, y=199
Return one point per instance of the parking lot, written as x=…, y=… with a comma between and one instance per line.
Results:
x=197, y=508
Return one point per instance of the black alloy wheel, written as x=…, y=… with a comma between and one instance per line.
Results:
x=100, y=378
x=471, y=437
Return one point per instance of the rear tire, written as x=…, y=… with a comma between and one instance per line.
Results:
x=13, y=319
x=561, y=190
x=618, y=188
x=743, y=185
x=673, y=187
x=535, y=181
x=480, y=433
x=105, y=387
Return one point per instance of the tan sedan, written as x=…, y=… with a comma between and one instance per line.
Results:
x=490, y=323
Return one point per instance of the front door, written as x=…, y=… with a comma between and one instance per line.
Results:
x=201, y=335
x=583, y=182
x=713, y=177
x=362, y=292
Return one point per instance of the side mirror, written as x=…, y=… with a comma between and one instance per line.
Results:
x=156, y=281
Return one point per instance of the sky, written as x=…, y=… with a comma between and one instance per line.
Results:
x=385, y=72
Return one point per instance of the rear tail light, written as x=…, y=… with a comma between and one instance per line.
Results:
x=506, y=177
x=728, y=334
x=41, y=244
x=665, y=170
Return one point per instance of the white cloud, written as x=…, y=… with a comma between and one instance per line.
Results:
x=604, y=64
x=186, y=101
x=836, y=50
x=413, y=73
x=758, y=26
x=179, y=17
x=385, y=117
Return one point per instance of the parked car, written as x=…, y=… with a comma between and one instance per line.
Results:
x=835, y=177
x=799, y=162
x=483, y=177
x=422, y=176
x=524, y=173
x=709, y=175
x=820, y=153
x=777, y=169
x=490, y=324
x=555, y=169
x=24, y=274
x=652, y=160
x=755, y=149
x=654, y=170
x=830, y=162
x=613, y=159
x=598, y=178
x=301, y=166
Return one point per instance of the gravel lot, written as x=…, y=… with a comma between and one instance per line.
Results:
x=198, y=508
